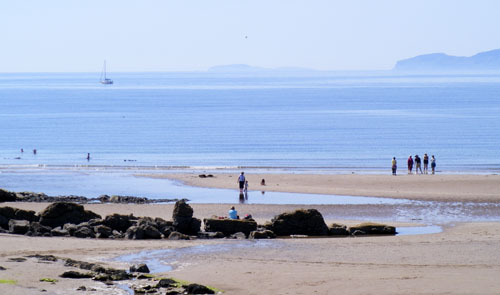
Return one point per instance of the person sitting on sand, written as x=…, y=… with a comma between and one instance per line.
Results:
x=263, y=182
x=233, y=214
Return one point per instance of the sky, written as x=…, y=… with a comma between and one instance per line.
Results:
x=188, y=35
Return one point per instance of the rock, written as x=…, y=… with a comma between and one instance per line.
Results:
x=6, y=196
x=230, y=226
x=80, y=264
x=50, y=258
x=134, y=233
x=178, y=236
x=238, y=236
x=151, y=232
x=40, y=230
x=70, y=228
x=183, y=219
x=81, y=288
x=139, y=268
x=368, y=228
x=149, y=226
x=265, y=234
x=198, y=289
x=76, y=275
x=84, y=232
x=19, y=227
x=59, y=232
x=17, y=259
x=210, y=235
x=102, y=231
x=117, y=274
x=2, y=268
x=119, y=222
x=58, y=214
x=8, y=213
x=166, y=283
x=300, y=222
x=338, y=230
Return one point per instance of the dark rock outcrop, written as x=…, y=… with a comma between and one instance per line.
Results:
x=18, y=227
x=210, y=235
x=230, y=226
x=76, y=275
x=264, y=234
x=183, y=219
x=102, y=231
x=178, y=236
x=84, y=232
x=372, y=229
x=134, y=233
x=119, y=222
x=58, y=214
x=198, y=289
x=338, y=230
x=139, y=268
x=36, y=229
x=8, y=213
x=300, y=222
x=6, y=196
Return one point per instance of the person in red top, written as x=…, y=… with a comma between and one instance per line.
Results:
x=410, y=164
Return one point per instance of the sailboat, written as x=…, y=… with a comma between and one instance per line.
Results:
x=105, y=80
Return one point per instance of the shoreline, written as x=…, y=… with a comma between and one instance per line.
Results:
x=439, y=187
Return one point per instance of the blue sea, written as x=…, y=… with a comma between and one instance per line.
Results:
x=328, y=123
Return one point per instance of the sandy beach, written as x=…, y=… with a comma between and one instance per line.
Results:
x=462, y=259
x=462, y=188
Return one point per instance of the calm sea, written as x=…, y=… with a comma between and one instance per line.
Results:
x=324, y=122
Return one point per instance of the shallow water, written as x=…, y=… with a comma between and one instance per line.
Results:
x=164, y=260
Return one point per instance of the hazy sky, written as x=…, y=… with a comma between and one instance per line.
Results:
x=162, y=35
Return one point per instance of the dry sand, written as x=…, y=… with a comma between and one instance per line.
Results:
x=466, y=188
x=463, y=259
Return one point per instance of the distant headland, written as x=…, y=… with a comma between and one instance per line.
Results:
x=441, y=62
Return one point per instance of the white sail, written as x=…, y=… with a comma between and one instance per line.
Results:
x=104, y=79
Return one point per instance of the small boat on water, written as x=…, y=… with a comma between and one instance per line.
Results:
x=105, y=80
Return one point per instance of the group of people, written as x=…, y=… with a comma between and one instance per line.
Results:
x=243, y=183
x=418, y=164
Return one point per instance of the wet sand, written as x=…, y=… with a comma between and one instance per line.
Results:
x=463, y=259
x=461, y=188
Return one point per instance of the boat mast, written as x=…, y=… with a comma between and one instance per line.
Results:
x=104, y=70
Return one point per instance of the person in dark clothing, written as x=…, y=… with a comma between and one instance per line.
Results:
x=418, y=164
x=410, y=164
x=426, y=164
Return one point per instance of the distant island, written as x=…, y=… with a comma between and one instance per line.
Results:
x=243, y=68
x=441, y=62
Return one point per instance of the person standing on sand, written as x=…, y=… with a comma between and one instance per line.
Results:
x=241, y=181
x=246, y=186
x=433, y=164
x=394, y=165
x=410, y=164
x=418, y=164
x=426, y=164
